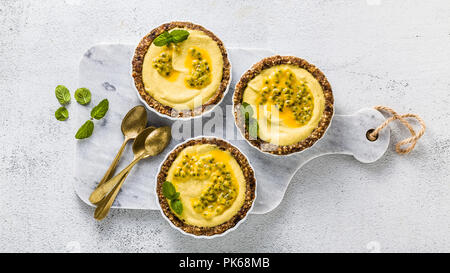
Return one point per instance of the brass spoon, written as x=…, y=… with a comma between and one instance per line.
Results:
x=150, y=142
x=138, y=149
x=155, y=142
x=132, y=124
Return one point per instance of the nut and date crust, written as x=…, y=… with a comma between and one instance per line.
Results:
x=138, y=61
x=323, y=123
x=249, y=191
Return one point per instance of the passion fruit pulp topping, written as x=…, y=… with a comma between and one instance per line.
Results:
x=291, y=96
x=198, y=62
x=222, y=188
x=163, y=64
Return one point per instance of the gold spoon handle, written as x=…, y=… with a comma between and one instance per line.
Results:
x=109, y=173
x=105, y=205
x=99, y=193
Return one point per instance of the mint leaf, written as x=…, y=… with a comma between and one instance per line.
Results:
x=169, y=190
x=250, y=123
x=163, y=39
x=177, y=206
x=171, y=193
x=176, y=196
x=253, y=128
x=83, y=96
x=62, y=94
x=100, y=110
x=85, y=130
x=175, y=36
x=179, y=35
x=62, y=113
x=246, y=112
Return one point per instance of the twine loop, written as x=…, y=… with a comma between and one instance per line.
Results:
x=373, y=134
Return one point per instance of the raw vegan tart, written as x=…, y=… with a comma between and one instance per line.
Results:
x=214, y=182
x=181, y=79
x=283, y=104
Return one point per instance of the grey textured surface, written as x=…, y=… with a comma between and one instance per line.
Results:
x=394, y=53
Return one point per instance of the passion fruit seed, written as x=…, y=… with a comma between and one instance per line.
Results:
x=220, y=192
x=200, y=75
x=282, y=89
x=163, y=64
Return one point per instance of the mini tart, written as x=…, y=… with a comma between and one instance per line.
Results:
x=238, y=171
x=139, y=65
x=314, y=120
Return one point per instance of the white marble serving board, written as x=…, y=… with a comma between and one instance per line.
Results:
x=106, y=70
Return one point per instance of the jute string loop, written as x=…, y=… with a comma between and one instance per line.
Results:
x=372, y=136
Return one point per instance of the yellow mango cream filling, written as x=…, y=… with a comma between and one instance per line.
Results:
x=288, y=103
x=183, y=75
x=211, y=185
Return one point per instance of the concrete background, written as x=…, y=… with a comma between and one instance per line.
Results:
x=394, y=53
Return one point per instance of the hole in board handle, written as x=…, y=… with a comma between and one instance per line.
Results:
x=369, y=137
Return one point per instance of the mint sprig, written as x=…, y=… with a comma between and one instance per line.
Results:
x=251, y=124
x=171, y=193
x=83, y=97
x=98, y=112
x=175, y=36
x=253, y=128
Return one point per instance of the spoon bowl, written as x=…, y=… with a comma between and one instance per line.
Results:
x=139, y=141
x=134, y=122
x=157, y=141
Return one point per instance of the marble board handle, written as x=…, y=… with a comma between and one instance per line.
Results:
x=346, y=135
